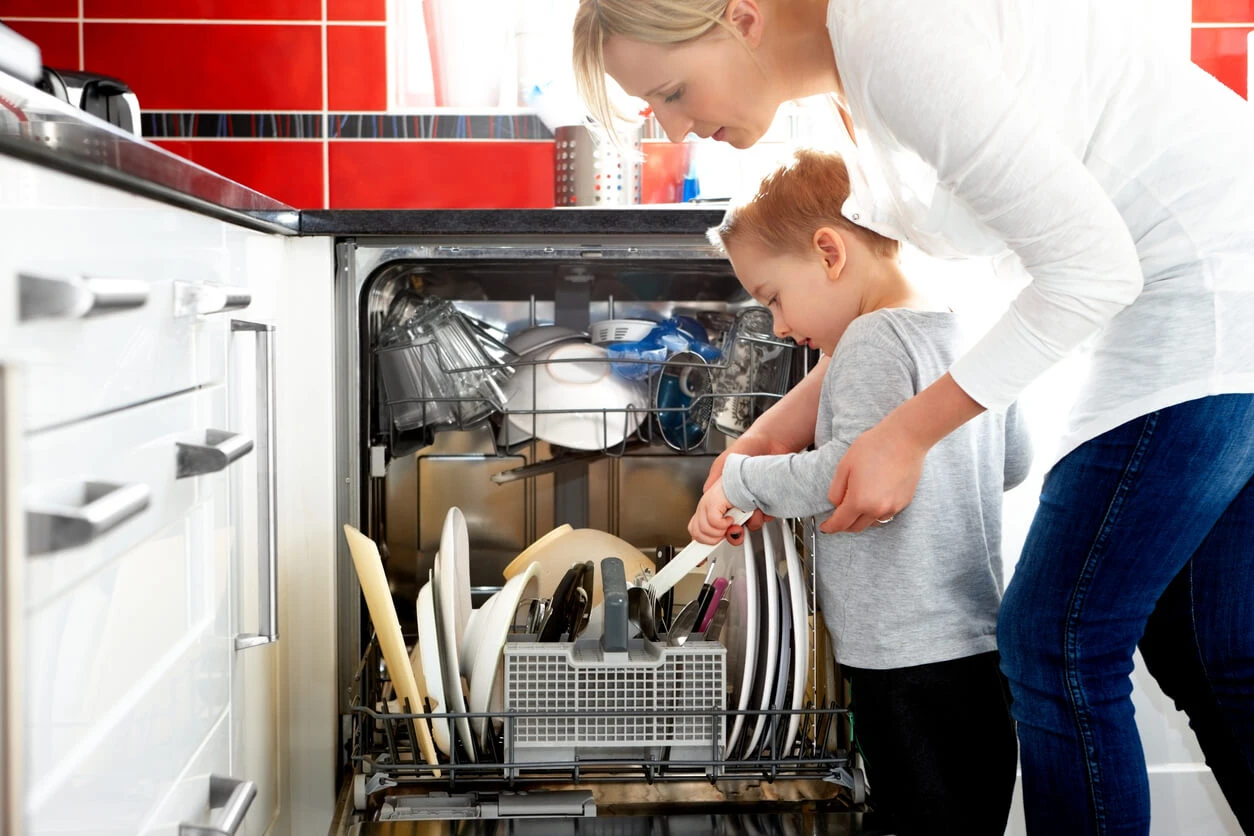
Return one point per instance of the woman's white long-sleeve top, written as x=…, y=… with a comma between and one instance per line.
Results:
x=1121, y=176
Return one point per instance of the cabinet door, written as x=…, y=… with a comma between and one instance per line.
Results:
x=11, y=559
x=248, y=533
x=126, y=632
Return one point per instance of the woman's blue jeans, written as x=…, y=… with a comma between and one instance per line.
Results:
x=1144, y=536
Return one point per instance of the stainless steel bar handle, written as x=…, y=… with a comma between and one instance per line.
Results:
x=202, y=299
x=106, y=506
x=234, y=797
x=267, y=490
x=219, y=450
x=47, y=297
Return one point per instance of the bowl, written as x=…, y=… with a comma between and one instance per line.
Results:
x=565, y=395
x=555, y=553
x=542, y=336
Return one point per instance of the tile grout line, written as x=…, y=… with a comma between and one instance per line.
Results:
x=196, y=21
x=326, y=118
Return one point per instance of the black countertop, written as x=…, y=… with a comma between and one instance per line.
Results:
x=674, y=220
x=42, y=129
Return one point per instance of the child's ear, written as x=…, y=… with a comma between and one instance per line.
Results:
x=831, y=246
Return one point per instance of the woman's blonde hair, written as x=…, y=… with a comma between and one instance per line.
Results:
x=648, y=21
x=793, y=202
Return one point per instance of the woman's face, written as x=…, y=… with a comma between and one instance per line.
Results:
x=710, y=86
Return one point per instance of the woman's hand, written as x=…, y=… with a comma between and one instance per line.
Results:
x=709, y=525
x=746, y=445
x=879, y=472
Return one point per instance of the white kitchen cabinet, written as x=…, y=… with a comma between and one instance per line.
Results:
x=150, y=677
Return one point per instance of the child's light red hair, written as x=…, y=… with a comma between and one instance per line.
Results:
x=792, y=203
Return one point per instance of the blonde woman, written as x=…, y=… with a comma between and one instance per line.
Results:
x=1123, y=179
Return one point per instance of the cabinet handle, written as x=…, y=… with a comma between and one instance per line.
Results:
x=43, y=297
x=234, y=797
x=202, y=299
x=106, y=507
x=267, y=490
x=219, y=450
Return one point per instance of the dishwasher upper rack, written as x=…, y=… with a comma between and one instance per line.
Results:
x=383, y=749
x=646, y=423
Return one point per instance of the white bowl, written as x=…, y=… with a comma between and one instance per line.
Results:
x=542, y=336
x=581, y=405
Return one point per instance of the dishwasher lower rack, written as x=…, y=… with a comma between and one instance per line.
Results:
x=384, y=755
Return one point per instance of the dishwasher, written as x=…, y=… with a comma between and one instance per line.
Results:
x=399, y=480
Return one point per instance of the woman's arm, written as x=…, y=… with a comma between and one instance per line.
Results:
x=934, y=77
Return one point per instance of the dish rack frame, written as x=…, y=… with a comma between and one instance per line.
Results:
x=640, y=425
x=385, y=756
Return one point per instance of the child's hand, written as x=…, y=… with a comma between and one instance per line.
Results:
x=708, y=525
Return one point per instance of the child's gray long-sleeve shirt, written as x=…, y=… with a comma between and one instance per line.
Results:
x=925, y=587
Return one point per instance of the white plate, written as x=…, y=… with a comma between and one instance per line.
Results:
x=768, y=637
x=740, y=633
x=779, y=701
x=454, y=690
x=486, y=679
x=800, y=608
x=429, y=660
x=453, y=596
x=579, y=393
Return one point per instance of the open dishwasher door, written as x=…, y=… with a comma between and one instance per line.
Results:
x=607, y=725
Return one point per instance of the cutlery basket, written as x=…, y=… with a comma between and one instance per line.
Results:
x=573, y=701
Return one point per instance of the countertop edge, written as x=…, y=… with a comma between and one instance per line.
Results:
x=384, y=222
x=281, y=223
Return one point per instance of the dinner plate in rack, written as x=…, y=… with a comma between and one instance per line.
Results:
x=428, y=648
x=453, y=596
x=486, y=680
x=768, y=636
x=795, y=575
x=450, y=664
x=740, y=633
x=777, y=724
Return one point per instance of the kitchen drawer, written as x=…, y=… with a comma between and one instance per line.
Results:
x=128, y=639
x=111, y=299
x=188, y=800
x=129, y=458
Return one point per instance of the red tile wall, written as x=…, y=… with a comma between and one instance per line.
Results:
x=1223, y=11
x=287, y=169
x=211, y=66
x=391, y=174
x=269, y=56
x=203, y=9
x=356, y=61
x=58, y=41
x=39, y=8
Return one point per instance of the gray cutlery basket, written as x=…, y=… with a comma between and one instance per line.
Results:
x=571, y=702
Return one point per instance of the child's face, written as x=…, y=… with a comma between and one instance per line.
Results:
x=810, y=295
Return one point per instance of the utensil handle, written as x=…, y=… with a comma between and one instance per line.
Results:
x=234, y=797
x=690, y=558
x=614, y=584
x=267, y=489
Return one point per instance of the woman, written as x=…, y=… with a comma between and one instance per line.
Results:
x=1124, y=182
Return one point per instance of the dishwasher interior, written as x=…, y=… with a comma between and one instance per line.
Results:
x=407, y=459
